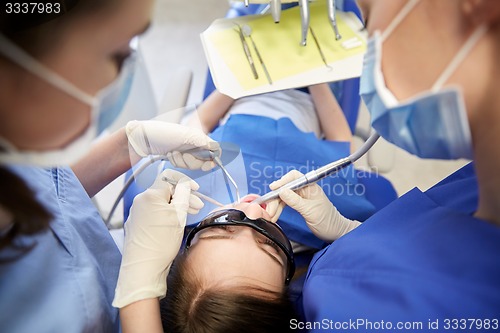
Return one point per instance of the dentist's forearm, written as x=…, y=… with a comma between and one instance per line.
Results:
x=108, y=158
x=332, y=119
x=211, y=111
x=141, y=316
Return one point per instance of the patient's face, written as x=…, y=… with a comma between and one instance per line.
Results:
x=238, y=255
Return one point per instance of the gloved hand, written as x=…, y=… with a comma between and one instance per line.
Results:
x=153, y=137
x=153, y=235
x=312, y=203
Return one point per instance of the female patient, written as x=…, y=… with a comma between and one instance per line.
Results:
x=232, y=275
x=234, y=271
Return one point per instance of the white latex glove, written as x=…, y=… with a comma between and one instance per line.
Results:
x=154, y=137
x=153, y=235
x=312, y=203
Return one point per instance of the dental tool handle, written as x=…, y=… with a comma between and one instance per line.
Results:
x=246, y=49
x=203, y=154
x=304, y=19
x=196, y=193
x=332, y=11
x=276, y=10
x=319, y=47
x=207, y=198
x=247, y=2
x=261, y=62
x=309, y=178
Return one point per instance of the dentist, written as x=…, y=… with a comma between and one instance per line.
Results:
x=430, y=258
x=66, y=71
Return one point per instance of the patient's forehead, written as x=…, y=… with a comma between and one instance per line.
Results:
x=251, y=210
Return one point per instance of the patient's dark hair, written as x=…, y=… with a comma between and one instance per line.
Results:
x=28, y=215
x=190, y=307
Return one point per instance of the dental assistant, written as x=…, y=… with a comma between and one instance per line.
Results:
x=65, y=75
x=429, y=259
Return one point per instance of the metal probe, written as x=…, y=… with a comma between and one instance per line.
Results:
x=217, y=161
x=247, y=30
x=319, y=48
x=246, y=49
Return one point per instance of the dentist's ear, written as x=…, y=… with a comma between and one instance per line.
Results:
x=482, y=11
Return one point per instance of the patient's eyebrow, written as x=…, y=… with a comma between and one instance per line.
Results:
x=209, y=237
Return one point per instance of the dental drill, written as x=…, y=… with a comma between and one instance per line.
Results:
x=323, y=172
x=304, y=19
x=333, y=18
x=275, y=10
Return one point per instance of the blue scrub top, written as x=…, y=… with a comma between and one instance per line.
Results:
x=424, y=258
x=66, y=282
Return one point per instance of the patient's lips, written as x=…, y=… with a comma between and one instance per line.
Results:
x=251, y=197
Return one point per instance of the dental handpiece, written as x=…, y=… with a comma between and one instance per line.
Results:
x=309, y=178
x=276, y=10
x=304, y=20
x=333, y=18
x=323, y=172
x=203, y=154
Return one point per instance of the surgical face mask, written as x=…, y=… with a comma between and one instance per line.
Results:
x=105, y=108
x=432, y=124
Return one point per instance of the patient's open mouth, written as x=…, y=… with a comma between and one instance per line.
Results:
x=251, y=197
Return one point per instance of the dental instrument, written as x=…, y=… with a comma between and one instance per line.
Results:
x=304, y=19
x=246, y=49
x=196, y=193
x=218, y=161
x=319, y=49
x=316, y=175
x=247, y=30
x=200, y=153
x=275, y=10
x=332, y=11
